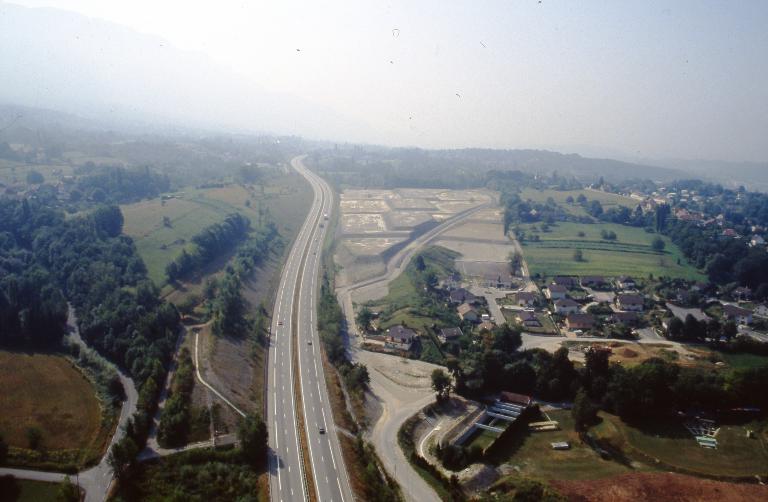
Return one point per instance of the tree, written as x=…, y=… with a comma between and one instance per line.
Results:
x=67, y=492
x=34, y=437
x=420, y=265
x=441, y=383
x=108, y=219
x=364, y=318
x=122, y=457
x=578, y=255
x=675, y=328
x=252, y=433
x=584, y=412
x=658, y=244
x=3, y=450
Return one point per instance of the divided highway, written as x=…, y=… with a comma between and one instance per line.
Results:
x=295, y=315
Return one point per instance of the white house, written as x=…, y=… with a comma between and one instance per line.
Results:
x=557, y=292
x=632, y=303
x=737, y=314
x=566, y=306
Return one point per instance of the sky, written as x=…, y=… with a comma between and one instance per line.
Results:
x=651, y=79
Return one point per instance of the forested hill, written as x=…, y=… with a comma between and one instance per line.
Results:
x=404, y=167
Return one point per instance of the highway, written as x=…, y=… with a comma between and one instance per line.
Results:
x=295, y=315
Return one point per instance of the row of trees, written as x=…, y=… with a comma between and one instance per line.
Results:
x=176, y=417
x=652, y=388
x=211, y=242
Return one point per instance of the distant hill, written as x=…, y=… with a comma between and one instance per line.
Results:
x=61, y=60
x=583, y=168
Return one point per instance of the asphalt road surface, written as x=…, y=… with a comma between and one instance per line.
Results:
x=295, y=314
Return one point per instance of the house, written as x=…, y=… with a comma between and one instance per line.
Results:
x=593, y=281
x=737, y=314
x=566, y=306
x=447, y=334
x=729, y=232
x=579, y=321
x=467, y=312
x=525, y=299
x=761, y=310
x=556, y=292
x=400, y=337
x=515, y=399
x=626, y=282
x=741, y=293
x=632, y=303
x=564, y=280
x=529, y=319
x=461, y=295
x=756, y=240
x=627, y=318
x=503, y=280
x=486, y=325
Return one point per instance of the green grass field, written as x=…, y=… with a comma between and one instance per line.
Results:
x=607, y=200
x=533, y=455
x=284, y=199
x=670, y=443
x=23, y=490
x=630, y=253
x=403, y=296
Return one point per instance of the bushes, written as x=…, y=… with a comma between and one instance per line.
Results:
x=176, y=417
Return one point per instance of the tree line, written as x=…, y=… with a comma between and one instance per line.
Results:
x=209, y=243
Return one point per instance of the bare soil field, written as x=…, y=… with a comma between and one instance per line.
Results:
x=659, y=487
x=412, y=204
x=45, y=391
x=354, y=223
x=364, y=206
x=405, y=220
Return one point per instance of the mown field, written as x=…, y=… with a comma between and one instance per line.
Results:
x=45, y=392
x=670, y=443
x=284, y=199
x=630, y=253
x=607, y=200
x=532, y=454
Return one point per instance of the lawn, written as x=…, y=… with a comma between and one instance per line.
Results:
x=743, y=360
x=670, y=443
x=24, y=490
x=630, y=253
x=284, y=199
x=533, y=455
x=482, y=438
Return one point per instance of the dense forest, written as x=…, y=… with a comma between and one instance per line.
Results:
x=47, y=260
x=117, y=184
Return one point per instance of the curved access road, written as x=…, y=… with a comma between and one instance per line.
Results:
x=295, y=369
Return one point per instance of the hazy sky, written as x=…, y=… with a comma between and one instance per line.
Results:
x=645, y=78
